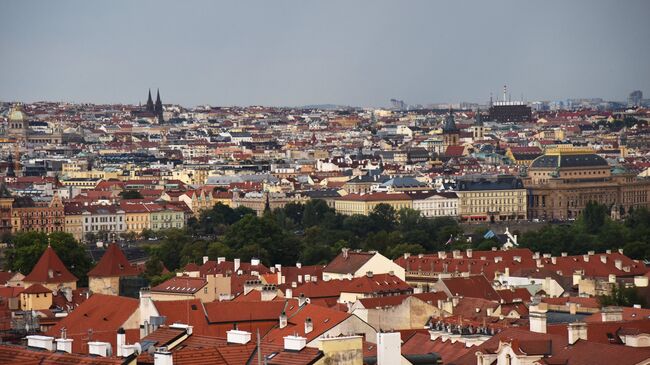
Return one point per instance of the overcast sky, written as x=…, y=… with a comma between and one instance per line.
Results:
x=314, y=52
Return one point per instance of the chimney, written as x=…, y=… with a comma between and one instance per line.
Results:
x=98, y=348
x=585, y=258
x=564, y=254
x=345, y=251
x=298, y=265
x=611, y=314
x=369, y=274
x=283, y=320
x=577, y=331
x=238, y=337
x=182, y=326
x=489, y=312
x=220, y=260
x=407, y=255
x=455, y=299
x=620, y=250
x=538, y=263
x=456, y=254
x=294, y=343
x=506, y=272
x=469, y=253
x=442, y=255
x=591, y=253
x=389, y=348
x=237, y=262
x=608, y=251
x=288, y=294
x=269, y=292
x=619, y=264
x=278, y=267
x=309, y=325
x=64, y=345
x=41, y=342
x=205, y=259
x=302, y=300
x=554, y=260
x=163, y=357
x=537, y=318
x=121, y=341
x=603, y=259
x=255, y=261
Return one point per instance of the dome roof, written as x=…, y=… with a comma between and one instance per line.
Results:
x=16, y=114
x=569, y=160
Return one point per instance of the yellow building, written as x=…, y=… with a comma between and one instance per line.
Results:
x=36, y=297
x=136, y=216
x=500, y=198
x=365, y=203
x=73, y=223
x=564, y=180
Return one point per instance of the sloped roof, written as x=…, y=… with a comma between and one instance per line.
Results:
x=36, y=289
x=113, y=263
x=18, y=355
x=49, y=269
x=349, y=262
x=475, y=286
x=104, y=314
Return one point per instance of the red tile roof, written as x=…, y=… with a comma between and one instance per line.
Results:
x=181, y=284
x=378, y=284
x=323, y=319
x=113, y=263
x=103, y=314
x=36, y=289
x=475, y=286
x=18, y=355
x=49, y=269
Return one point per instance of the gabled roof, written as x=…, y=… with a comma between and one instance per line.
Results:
x=49, y=269
x=348, y=262
x=113, y=263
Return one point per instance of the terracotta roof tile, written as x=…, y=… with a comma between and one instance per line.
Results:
x=113, y=263
x=49, y=269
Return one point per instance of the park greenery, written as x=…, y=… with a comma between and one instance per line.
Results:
x=314, y=233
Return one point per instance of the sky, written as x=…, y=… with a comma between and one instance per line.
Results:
x=290, y=53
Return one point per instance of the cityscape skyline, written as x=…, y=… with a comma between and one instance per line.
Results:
x=291, y=54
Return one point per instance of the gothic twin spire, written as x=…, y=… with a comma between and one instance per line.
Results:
x=157, y=108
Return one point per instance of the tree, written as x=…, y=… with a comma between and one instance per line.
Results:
x=402, y=248
x=383, y=217
x=594, y=216
x=622, y=296
x=316, y=212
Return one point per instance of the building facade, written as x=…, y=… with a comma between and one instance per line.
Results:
x=500, y=198
x=563, y=181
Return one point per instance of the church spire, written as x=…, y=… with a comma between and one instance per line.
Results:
x=150, y=103
x=158, y=108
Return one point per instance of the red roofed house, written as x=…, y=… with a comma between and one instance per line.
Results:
x=98, y=319
x=105, y=277
x=354, y=264
x=51, y=273
x=36, y=297
x=475, y=286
